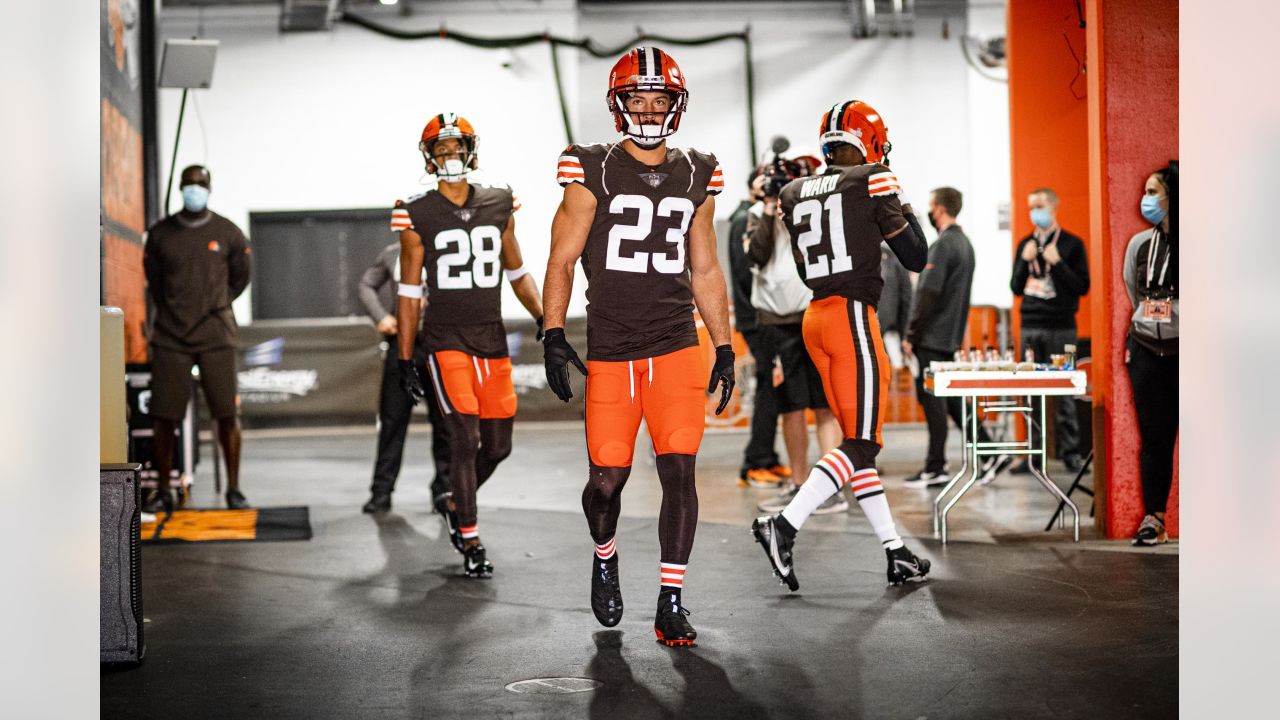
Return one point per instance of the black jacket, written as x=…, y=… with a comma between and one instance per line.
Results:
x=1055, y=292
x=744, y=314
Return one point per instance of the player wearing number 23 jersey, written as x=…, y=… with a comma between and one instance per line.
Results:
x=638, y=215
x=461, y=235
x=837, y=221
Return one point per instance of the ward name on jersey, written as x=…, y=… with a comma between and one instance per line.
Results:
x=639, y=290
x=462, y=262
x=837, y=221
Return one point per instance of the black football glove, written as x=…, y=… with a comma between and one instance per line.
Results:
x=538, y=335
x=722, y=374
x=410, y=381
x=557, y=353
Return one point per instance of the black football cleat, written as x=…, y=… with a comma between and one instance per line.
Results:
x=475, y=564
x=672, y=625
x=606, y=590
x=905, y=567
x=778, y=549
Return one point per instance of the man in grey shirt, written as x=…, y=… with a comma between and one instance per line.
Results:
x=395, y=406
x=936, y=330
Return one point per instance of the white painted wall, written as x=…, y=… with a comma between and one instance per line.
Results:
x=331, y=120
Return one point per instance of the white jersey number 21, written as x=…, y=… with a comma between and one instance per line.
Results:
x=817, y=265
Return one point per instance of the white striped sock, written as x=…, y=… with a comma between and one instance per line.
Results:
x=607, y=550
x=827, y=476
x=671, y=574
x=869, y=492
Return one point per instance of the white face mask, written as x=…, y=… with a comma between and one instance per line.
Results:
x=453, y=169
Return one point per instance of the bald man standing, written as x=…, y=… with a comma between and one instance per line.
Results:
x=196, y=263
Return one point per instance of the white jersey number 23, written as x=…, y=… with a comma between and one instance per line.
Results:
x=639, y=262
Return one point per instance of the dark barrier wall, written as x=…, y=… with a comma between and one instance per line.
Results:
x=330, y=369
x=123, y=197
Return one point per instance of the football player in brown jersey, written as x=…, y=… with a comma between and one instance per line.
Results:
x=837, y=221
x=638, y=214
x=463, y=233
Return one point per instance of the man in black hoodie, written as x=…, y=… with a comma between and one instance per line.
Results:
x=1050, y=273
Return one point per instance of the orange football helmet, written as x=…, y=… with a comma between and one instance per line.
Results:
x=450, y=125
x=641, y=70
x=855, y=123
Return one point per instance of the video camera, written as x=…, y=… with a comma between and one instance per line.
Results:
x=780, y=170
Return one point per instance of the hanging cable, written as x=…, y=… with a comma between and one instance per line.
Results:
x=585, y=44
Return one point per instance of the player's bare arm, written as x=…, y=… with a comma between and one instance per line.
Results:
x=525, y=287
x=409, y=307
x=569, y=231
x=710, y=293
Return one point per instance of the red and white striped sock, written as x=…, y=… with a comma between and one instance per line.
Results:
x=469, y=531
x=671, y=575
x=869, y=493
x=826, y=478
x=607, y=550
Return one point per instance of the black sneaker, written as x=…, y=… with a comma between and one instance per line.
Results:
x=904, y=566
x=474, y=563
x=379, y=503
x=1073, y=461
x=606, y=590
x=671, y=624
x=927, y=478
x=778, y=548
x=1151, y=532
x=161, y=502
x=236, y=500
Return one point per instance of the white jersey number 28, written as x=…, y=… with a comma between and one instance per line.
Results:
x=473, y=260
x=638, y=262
x=817, y=265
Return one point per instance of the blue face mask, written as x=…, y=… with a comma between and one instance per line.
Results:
x=1151, y=209
x=1042, y=218
x=195, y=197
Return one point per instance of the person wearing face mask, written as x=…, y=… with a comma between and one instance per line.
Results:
x=1050, y=273
x=1151, y=351
x=939, y=315
x=196, y=262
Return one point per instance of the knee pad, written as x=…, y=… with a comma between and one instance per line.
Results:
x=684, y=441
x=612, y=454
x=861, y=452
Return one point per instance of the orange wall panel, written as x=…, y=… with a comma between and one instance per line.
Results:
x=1048, y=121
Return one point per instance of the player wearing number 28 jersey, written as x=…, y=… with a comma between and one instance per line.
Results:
x=462, y=233
x=837, y=221
x=638, y=215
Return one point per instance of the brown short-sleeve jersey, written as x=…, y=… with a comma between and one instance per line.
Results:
x=462, y=260
x=837, y=221
x=636, y=259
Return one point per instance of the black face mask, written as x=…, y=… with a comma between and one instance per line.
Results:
x=933, y=222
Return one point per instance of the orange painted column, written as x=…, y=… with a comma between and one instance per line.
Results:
x=1133, y=131
x=1048, y=122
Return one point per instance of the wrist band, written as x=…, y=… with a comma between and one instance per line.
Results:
x=410, y=291
x=514, y=275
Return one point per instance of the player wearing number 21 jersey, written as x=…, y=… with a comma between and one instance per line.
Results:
x=837, y=221
x=638, y=215
x=462, y=233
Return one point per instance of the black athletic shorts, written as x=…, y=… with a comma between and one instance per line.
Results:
x=171, y=381
x=801, y=387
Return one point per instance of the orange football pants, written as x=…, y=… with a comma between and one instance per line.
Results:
x=668, y=391
x=843, y=338
x=472, y=385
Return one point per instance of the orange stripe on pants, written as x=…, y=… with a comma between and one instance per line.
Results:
x=843, y=339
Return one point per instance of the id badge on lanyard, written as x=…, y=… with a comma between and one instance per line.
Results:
x=1158, y=311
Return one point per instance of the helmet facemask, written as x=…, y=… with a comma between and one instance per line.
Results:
x=452, y=169
x=647, y=135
